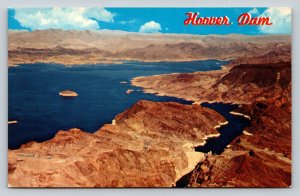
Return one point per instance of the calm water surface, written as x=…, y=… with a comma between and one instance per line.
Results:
x=34, y=101
x=228, y=132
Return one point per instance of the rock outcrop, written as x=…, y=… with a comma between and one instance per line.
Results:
x=261, y=157
x=241, y=83
x=149, y=145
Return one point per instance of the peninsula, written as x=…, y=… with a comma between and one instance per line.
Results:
x=136, y=150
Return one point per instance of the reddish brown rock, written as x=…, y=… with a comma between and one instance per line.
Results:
x=148, y=145
x=261, y=157
x=68, y=93
x=242, y=169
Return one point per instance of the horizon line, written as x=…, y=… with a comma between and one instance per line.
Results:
x=154, y=33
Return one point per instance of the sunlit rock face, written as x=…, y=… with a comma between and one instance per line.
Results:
x=148, y=145
x=261, y=157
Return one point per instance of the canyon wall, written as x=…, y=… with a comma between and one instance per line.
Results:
x=149, y=145
x=261, y=156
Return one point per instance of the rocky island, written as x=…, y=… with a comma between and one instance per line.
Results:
x=12, y=122
x=68, y=93
x=129, y=91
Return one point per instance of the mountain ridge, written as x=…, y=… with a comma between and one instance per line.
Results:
x=115, y=46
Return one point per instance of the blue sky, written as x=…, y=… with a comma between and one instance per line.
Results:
x=146, y=20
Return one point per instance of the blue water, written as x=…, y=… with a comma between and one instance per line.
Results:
x=34, y=101
x=235, y=127
x=228, y=132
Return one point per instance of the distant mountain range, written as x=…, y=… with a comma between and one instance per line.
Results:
x=105, y=46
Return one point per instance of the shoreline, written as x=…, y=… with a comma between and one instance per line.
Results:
x=223, y=67
x=145, y=90
x=191, y=157
x=182, y=154
x=116, y=62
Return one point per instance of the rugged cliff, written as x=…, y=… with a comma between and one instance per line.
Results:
x=238, y=83
x=148, y=145
x=261, y=157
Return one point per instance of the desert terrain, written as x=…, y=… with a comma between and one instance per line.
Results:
x=261, y=157
x=105, y=46
x=152, y=144
x=143, y=147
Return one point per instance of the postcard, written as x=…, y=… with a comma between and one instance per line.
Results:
x=149, y=97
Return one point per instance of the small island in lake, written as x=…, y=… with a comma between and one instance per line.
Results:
x=12, y=122
x=68, y=93
x=129, y=91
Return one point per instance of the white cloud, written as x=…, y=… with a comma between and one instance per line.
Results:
x=281, y=19
x=254, y=11
x=150, y=27
x=100, y=14
x=62, y=18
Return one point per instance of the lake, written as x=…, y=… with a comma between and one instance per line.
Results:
x=236, y=125
x=216, y=145
x=34, y=102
